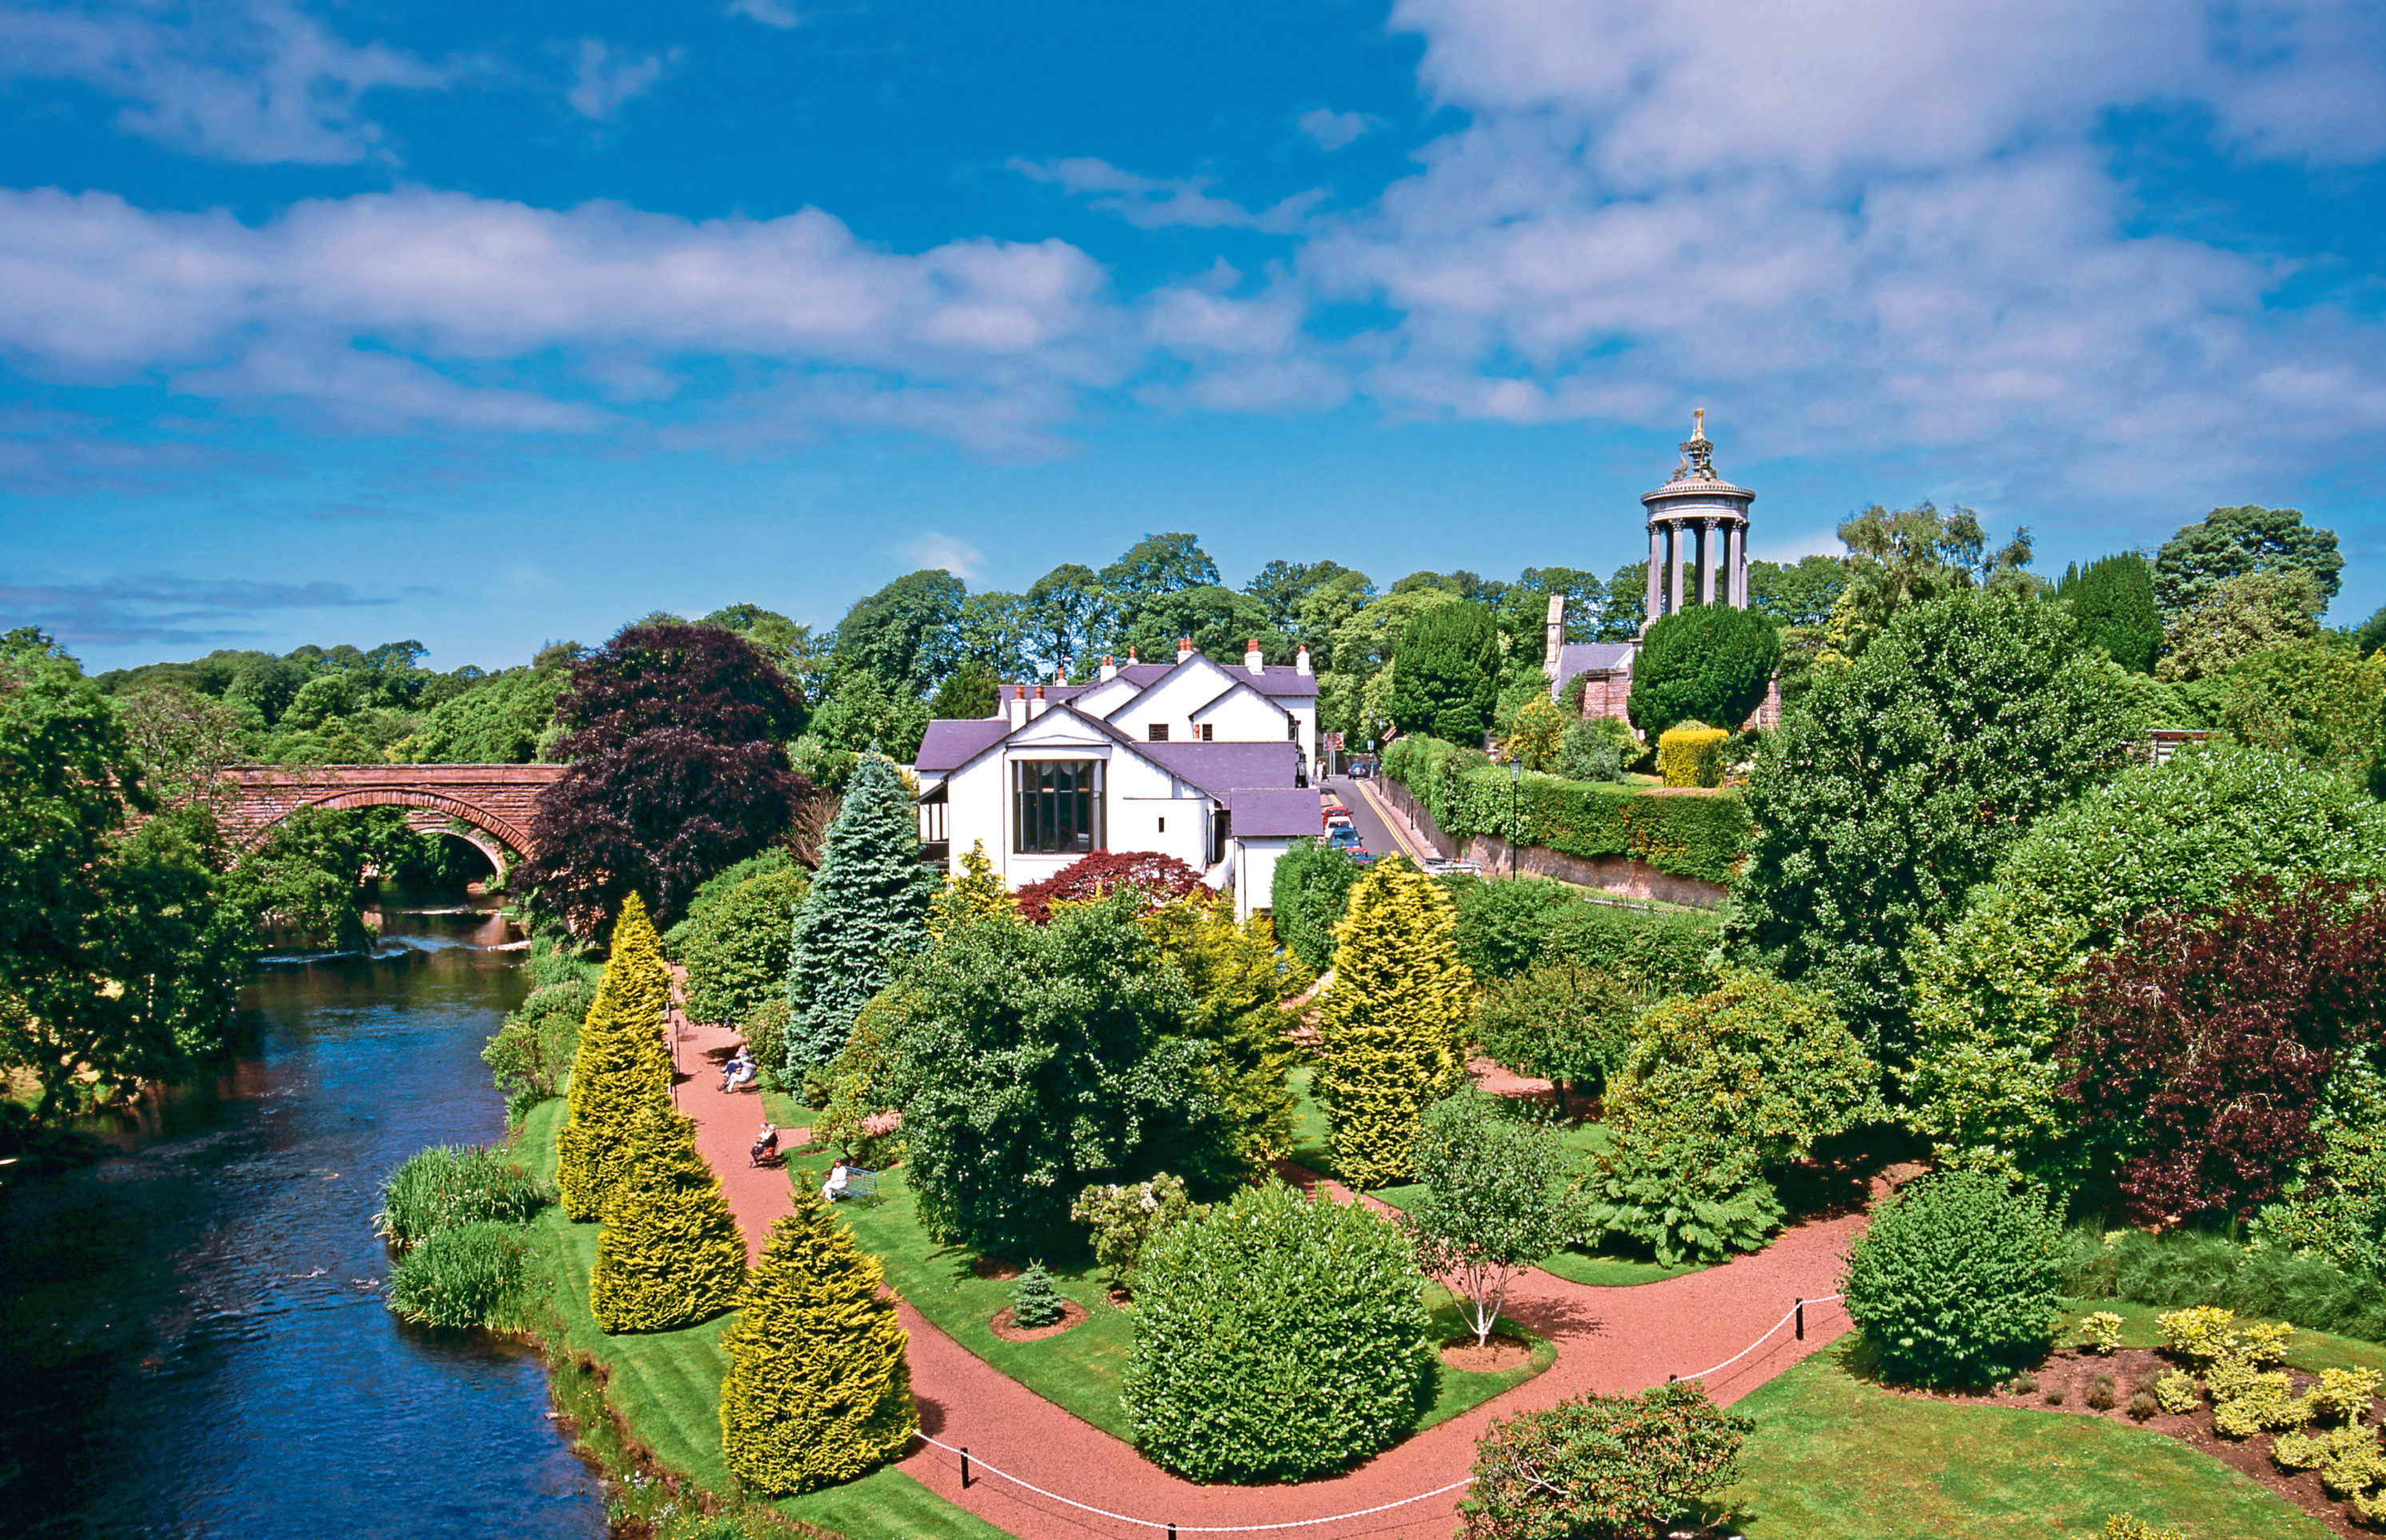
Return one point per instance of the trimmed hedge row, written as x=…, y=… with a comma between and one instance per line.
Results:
x=1704, y=836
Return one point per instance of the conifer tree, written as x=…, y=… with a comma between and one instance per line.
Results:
x=670, y=1254
x=973, y=893
x=817, y=1391
x=1239, y=979
x=622, y=1065
x=867, y=908
x=1390, y=1024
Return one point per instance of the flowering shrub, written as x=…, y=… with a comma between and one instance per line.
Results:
x=1601, y=1467
x=1125, y=1215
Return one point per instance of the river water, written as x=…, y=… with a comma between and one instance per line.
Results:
x=191, y=1335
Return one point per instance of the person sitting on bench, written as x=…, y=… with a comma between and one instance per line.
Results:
x=738, y=1072
x=838, y=1180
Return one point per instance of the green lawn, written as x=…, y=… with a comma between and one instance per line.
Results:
x=667, y=1386
x=1836, y=1458
x=1081, y=1369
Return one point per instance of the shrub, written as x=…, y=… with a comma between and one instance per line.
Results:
x=2024, y=1384
x=1691, y=754
x=1446, y=672
x=1990, y=991
x=2177, y=1395
x=1239, y=979
x=1957, y=1280
x=2101, y=1333
x=1494, y=1200
x=623, y=1066
x=1310, y=888
x=1502, y=923
x=765, y=1031
x=858, y=1117
x=2257, y=1404
x=1901, y=779
x=1562, y=1021
x=2055, y=1395
x=2184, y=1267
x=468, y=1275
x=670, y=1254
x=1038, y=1058
x=1154, y=878
x=531, y=1054
x=817, y=1390
x=1653, y=952
x=1035, y=1301
x=1703, y=663
x=2142, y=1405
x=1389, y=1028
x=2202, y=1334
x=1537, y=729
x=1688, y=1196
x=867, y=911
x=453, y=1185
x=971, y=894
x=1603, y=1467
x=2128, y=1526
x=2103, y=1394
x=1597, y=748
x=1124, y=1218
x=2343, y=1394
x=735, y=948
x=1276, y=1337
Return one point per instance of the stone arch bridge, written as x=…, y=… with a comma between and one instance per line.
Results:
x=495, y=802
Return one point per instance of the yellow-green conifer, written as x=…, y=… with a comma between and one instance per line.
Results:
x=973, y=893
x=817, y=1391
x=670, y=1254
x=1390, y=1025
x=624, y=1065
x=1239, y=979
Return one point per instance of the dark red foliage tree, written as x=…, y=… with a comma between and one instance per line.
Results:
x=2204, y=1042
x=676, y=772
x=1162, y=877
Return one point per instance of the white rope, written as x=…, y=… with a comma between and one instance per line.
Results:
x=1190, y=1529
x=1762, y=1340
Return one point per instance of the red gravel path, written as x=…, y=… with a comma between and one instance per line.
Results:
x=1607, y=1340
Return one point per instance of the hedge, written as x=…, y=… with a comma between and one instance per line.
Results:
x=1702, y=836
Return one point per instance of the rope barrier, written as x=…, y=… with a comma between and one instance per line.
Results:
x=1188, y=1529
x=1759, y=1342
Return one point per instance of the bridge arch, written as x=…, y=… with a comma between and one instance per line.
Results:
x=496, y=803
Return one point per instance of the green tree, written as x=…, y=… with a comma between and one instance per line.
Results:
x=502, y=719
x=623, y=1066
x=997, y=632
x=1559, y=1021
x=670, y=1254
x=866, y=912
x=2113, y=600
x=1160, y=564
x=2370, y=636
x=2237, y=618
x=736, y=948
x=973, y=893
x=1958, y=1281
x=1238, y=979
x=1285, y=589
x=1802, y=594
x=1494, y=1202
x=908, y=635
x=1308, y=894
x=1275, y=1338
x=2319, y=701
x=1069, y=614
x=864, y=713
x=303, y=879
x=1708, y=663
x=817, y=1390
x=790, y=646
x=1446, y=673
x=971, y=691
x=1897, y=560
x=2233, y=543
x=1040, y=1059
x=1217, y=620
x=1603, y=1467
x=1990, y=986
x=1389, y=1027
x=1536, y=732
x=1627, y=604
x=1899, y=782
x=1355, y=698
x=1322, y=612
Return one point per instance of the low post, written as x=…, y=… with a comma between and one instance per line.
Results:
x=1802, y=1321
x=1670, y=1378
x=965, y=1468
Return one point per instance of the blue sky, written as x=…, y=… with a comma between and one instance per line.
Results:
x=490, y=326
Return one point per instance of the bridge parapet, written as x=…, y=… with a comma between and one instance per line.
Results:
x=498, y=800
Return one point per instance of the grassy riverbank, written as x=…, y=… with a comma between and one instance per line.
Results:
x=665, y=1387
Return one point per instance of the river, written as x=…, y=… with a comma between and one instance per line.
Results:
x=191, y=1335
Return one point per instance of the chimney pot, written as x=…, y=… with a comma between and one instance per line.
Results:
x=1253, y=659
x=1300, y=661
x=1110, y=666
x=1184, y=649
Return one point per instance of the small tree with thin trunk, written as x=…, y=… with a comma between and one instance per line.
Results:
x=622, y=1067
x=1494, y=1202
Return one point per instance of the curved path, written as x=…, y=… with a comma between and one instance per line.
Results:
x=1607, y=1340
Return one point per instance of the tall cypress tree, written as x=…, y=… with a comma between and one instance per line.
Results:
x=2113, y=600
x=868, y=907
x=670, y=1254
x=1446, y=673
x=1389, y=1025
x=623, y=1066
x=818, y=1390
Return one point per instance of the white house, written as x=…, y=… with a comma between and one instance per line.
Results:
x=1196, y=759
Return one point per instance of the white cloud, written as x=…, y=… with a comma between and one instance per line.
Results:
x=954, y=556
x=241, y=79
x=381, y=309
x=1332, y=130
x=1153, y=202
x=769, y=13
x=605, y=77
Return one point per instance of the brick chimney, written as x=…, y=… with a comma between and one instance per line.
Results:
x=1253, y=660
x=1037, y=707
x=1015, y=703
x=1184, y=649
x=1300, y=661
x=1109, y=668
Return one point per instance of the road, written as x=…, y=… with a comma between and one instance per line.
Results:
x=1378, y=838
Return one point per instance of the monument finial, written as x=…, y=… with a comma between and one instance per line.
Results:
x=1698, y=454
x=1699, y=422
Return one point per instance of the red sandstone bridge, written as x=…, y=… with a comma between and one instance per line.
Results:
x=494, y=802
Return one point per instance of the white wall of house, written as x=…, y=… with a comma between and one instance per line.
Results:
x=1236, y=710
x=1255, y=873
x=1144, y=807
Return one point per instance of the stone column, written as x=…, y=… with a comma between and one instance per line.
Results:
x=1657, y=572
x=1739, y=565
x=1708, y=561
x=1677, y=531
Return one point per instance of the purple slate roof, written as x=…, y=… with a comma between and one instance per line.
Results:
x=1220, y=768
x=952, y=743
x=1584, y=658
x=1259, y=812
